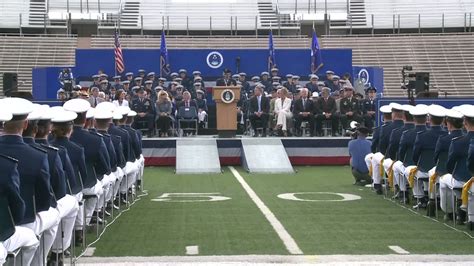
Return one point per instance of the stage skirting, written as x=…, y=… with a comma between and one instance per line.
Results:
x=301, y=151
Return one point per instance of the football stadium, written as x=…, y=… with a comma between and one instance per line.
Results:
x=236, y=132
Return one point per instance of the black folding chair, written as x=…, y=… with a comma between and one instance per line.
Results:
x=187, y=116
x=7, y=226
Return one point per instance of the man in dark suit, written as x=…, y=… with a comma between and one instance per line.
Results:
x=145, y=110
x=187, y=102
x=312, y=85
x=325, y=109
x=226, y=79
x=303, y=111
x=349, y=107
x=259, y=110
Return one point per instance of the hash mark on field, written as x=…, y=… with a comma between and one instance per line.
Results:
x=399, y=250
x=89, y=252
x=289, y=242
x=192, y=250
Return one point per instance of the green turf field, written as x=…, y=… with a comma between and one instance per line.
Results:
x=237, y=227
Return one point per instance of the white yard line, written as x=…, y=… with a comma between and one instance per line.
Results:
x=192, y=250
x=289, y=242
x=399, y=250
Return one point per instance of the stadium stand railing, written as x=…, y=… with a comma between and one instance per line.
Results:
x=192, y=42
x=449, y=59
x=20, y=54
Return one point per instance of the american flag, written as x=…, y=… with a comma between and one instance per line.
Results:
x=119, y=65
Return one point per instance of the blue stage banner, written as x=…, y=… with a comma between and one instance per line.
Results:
x=209, y=61
x=212, y=62
x=445, y=102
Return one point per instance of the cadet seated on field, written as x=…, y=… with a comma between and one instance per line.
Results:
x=358, y=149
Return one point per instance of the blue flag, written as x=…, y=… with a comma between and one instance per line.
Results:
x=316, y=59
x=271, y=53
x=165, y=67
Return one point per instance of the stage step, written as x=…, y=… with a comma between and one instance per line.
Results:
x=197, y=156
x=266, y=155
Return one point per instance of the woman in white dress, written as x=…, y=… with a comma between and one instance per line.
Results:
x=282, y=111
x=121, y=101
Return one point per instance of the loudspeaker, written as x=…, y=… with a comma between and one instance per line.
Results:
x=10, y=83
x=422, y=82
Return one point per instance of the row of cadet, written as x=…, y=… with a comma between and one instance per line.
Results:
x=62, y=169
x=179, y=82
x=428, y=150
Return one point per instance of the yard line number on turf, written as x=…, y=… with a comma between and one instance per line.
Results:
x=191, y=197
x=345, y=196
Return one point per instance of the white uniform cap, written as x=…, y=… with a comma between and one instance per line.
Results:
x=396, y=106
x=77, y=105
x=117, y=115
x=452, y=113
x=56, y=109
x=17, y=106
x=106, y=106
x=422, y=105
x=63, y=116
x=437, y=110
x=386, y=109
x=315, y=94
x=407, y=107
x=103, y=114
x=467, y=111
x=461, y=107
x=132, y=113
x=5, y=116
x=419, y=110
x=123, y=110
x=90, y=113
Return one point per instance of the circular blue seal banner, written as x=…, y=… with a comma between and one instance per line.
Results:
x=214, y=59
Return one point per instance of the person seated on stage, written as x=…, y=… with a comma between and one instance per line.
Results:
x=423, y=154
x=303, y=111
x=186, y=102
x=16, y=236
x=242, y=108
x=201, y=103
x=469, y=188
x=283, y=112
x=349, y=108
x=185, y=81
x=121, y=99
x=457, y=167
x=145, y=111
x=276, y=79
x=267, y=83
x=259, y=107
x=163, y=113
x=358, y=149
x=333, y=83
x=94, y=98
x=369, y=108
x=328, y=81
x=289, y=81
x=325, y=109
x=226, y=79
x=312, y=85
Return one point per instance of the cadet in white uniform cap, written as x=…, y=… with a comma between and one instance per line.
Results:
x=140, y=160
x=96, y=155
x=67, y=205
x=16, y=236
x=40, y=214
x=454, y=123
x=456, y=166
x=405, y=151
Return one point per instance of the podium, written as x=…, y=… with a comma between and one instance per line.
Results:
x=226, y=98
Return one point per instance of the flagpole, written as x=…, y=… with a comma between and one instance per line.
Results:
x=115, y=61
